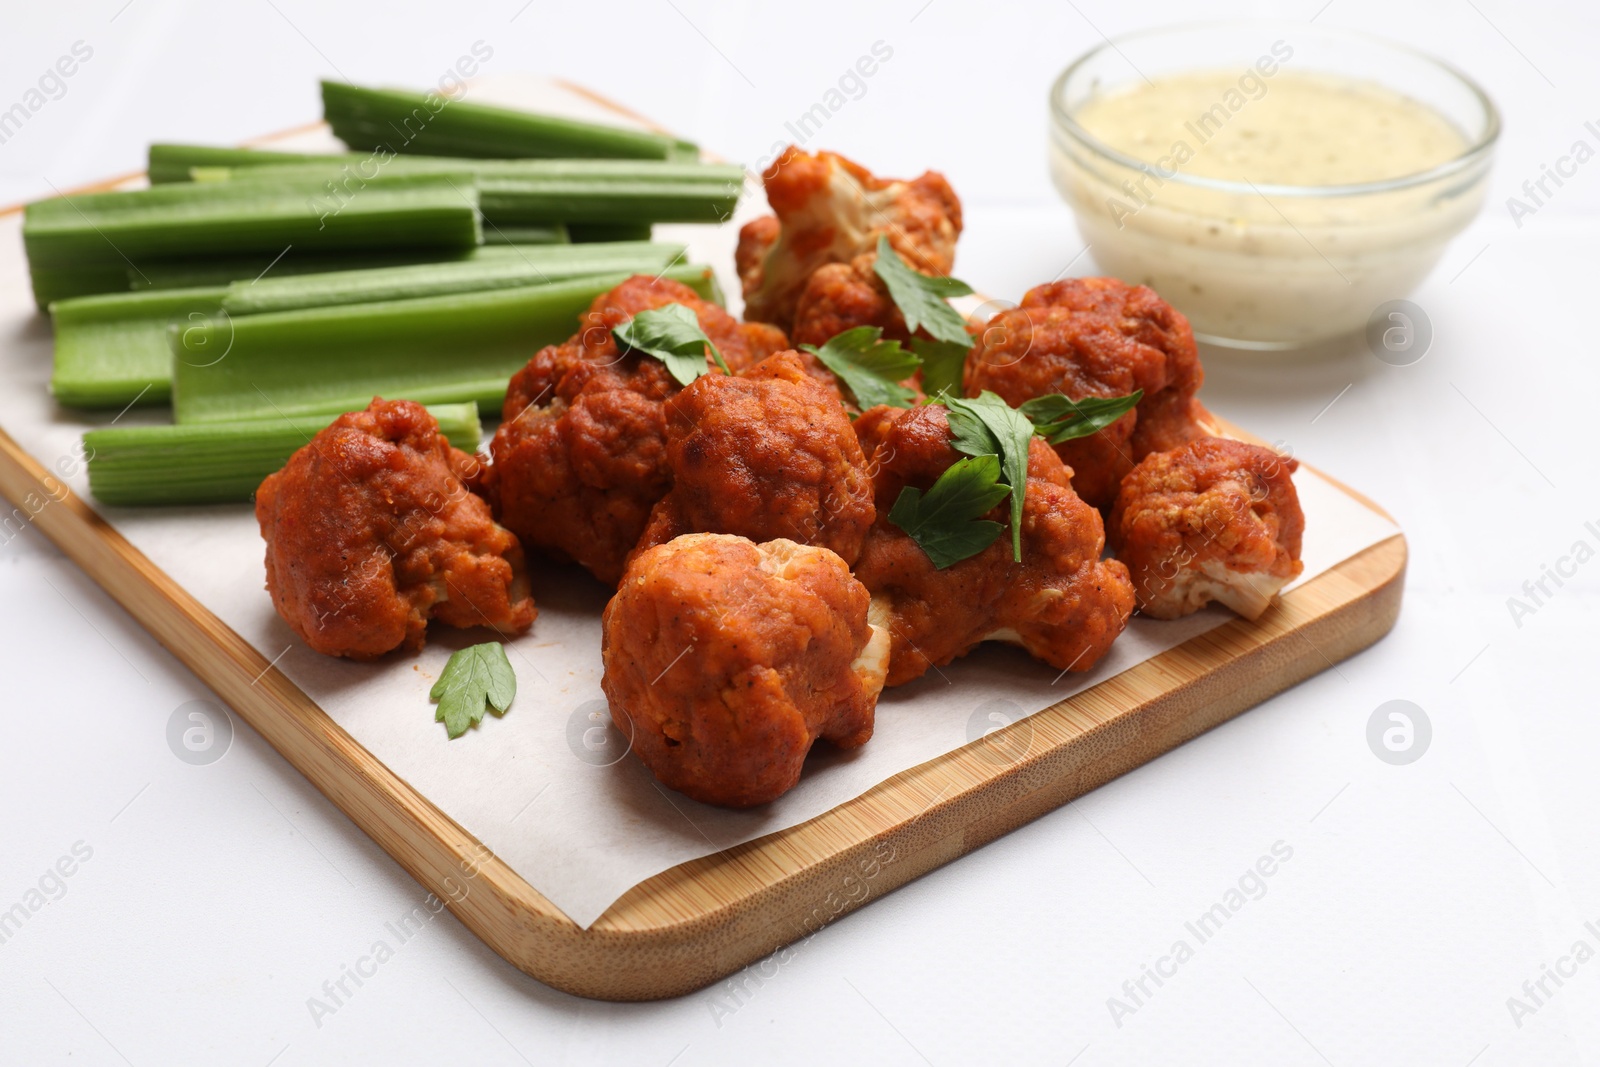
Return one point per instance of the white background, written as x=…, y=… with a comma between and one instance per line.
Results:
x=1418, y=898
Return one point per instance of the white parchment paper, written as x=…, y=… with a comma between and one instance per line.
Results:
x=550, y=787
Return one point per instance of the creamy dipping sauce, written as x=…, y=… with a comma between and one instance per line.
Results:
x=1295, y=128
x=1225, y=214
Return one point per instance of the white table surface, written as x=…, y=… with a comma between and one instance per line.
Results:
x=218, y=899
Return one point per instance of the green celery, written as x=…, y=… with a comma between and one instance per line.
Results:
x=121, y=229
x=521, y=202
x=530, y=266
x=527, y=191
x=586, y=232
x=172, y=162
x=185, y=162
x=428, y=123
x=438, y=349
x=111, y=351
x=553, y=234
x=188, y=273
x=63, y=283
x=218, y=463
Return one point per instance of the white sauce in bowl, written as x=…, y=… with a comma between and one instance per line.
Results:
x=1246, y=198
x=1296, y=128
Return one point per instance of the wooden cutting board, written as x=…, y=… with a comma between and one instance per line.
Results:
x=702, y=920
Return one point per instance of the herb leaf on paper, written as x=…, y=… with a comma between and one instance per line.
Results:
x=476, y=680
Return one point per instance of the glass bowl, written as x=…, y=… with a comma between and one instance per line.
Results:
x=1267, y=266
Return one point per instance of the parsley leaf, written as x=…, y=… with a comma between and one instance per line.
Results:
x=921, y=298
x=1058, y=419
x=474, y=676
x=870, y=368
x=942, y=364
x=672, y=334
x=947, y=521
x=987, y=425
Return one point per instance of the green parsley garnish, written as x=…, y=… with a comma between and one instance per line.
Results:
x=672, y=334
x=872, y=369
x=1058, y=419
x=474, y=677
x=987, y=426
x=922, y=298
x=942, y=364
x=947, y=521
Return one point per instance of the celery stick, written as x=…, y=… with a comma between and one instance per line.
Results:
x=428, y=123
x=63, y=283
x=520, y=202
x=585, y=232
x=531, y=266
x=182, y=162
x=524, y=191
x=218, y=463
x=221, y=270
x=188, y=273
x=172, y=162
x=552, y=234
x=230, y=218
x=112, y=350
x=437, y=349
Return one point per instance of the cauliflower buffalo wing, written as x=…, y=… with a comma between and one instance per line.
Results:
x=580, y=458
x=1212, y=520
x=726, y=660
x=1096, y=337
x=829, y=211
x=371, y=532
x=842, y=296
x=767, y=453
x=1062, y=603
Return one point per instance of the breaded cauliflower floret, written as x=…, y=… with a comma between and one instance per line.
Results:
x=1062, y=603
x=756, y=239
x=842, y=296
x=1085, y=337
x=371, y=532
x=580, y=458
x=1212, y=520
x=830, y=210
x=768, y=453
x=725, y=661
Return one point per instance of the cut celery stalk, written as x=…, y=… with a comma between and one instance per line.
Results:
x=437, y=349
x=218, y=463
x=172, y=162
x=527, y=191
x=184, y=162
x=531, y=266
x=63, y=283
x=522, y=202
x=434, y=210
x=112, y=351
x=586, y=232
x=428, y=123
x=121, y=229
x=223, y=270
x=189, y=273
x=553, y=234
